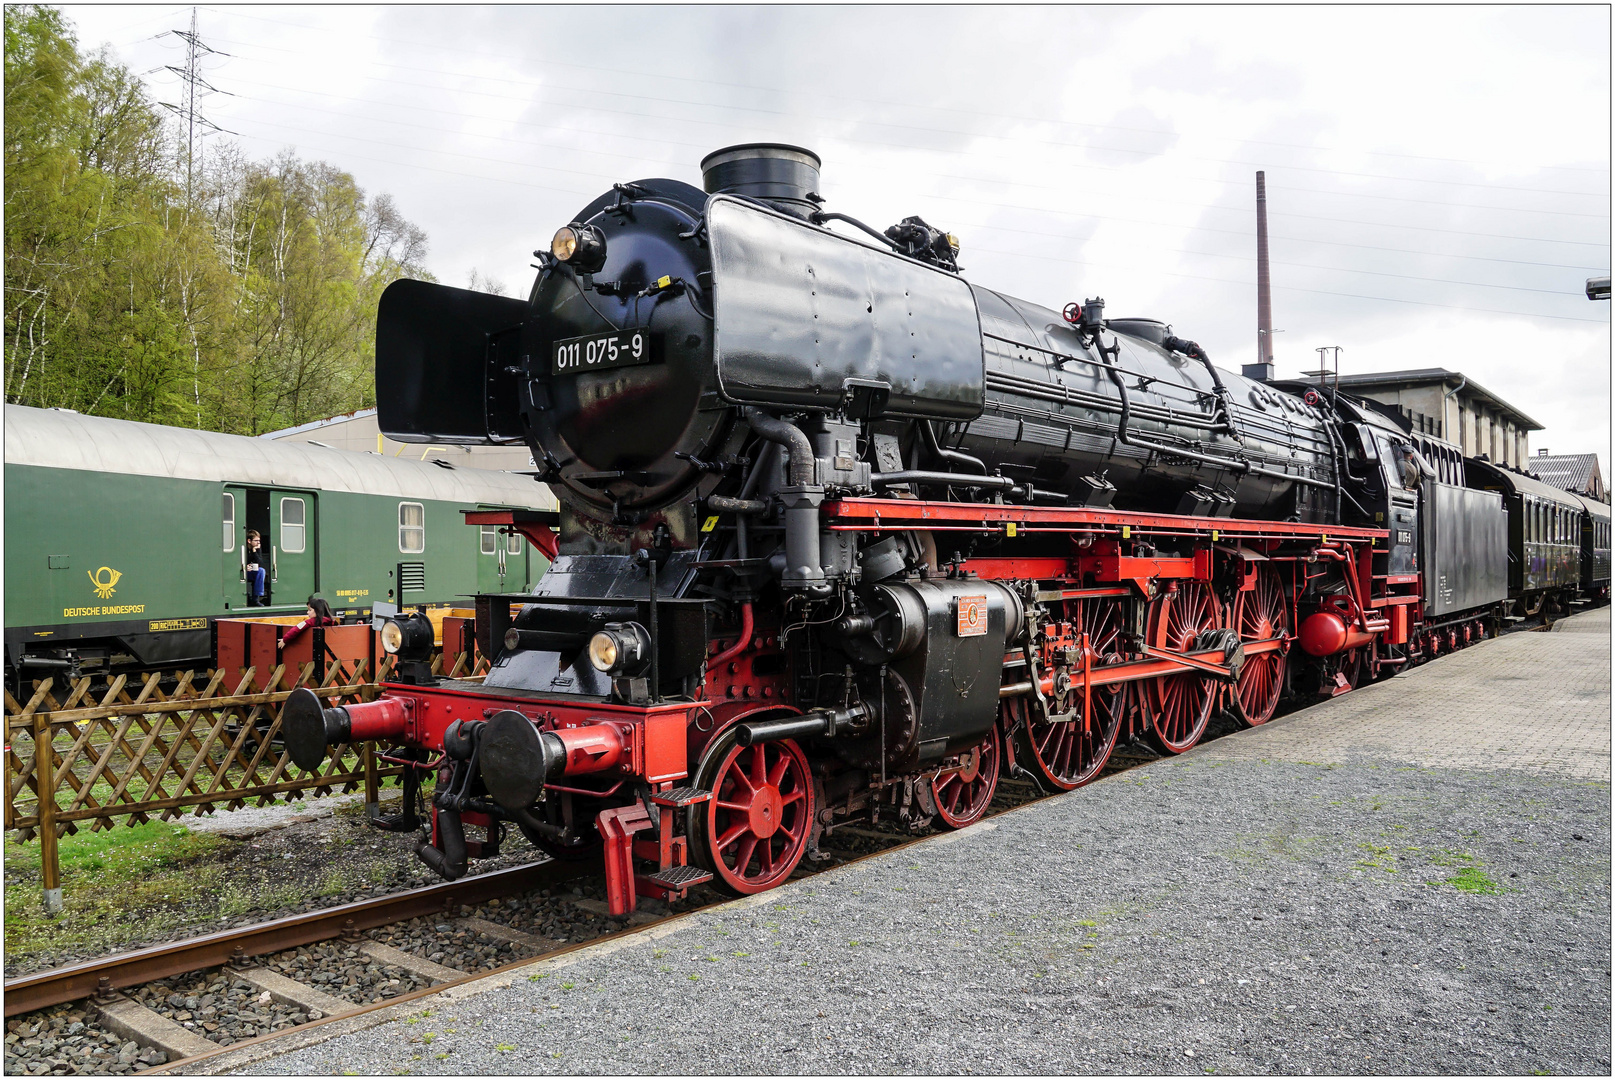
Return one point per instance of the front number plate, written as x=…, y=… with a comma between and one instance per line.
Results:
x=595, y=352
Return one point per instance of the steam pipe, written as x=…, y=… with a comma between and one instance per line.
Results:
x=1242, y=467
x=799, y=470
x=739, y=646
x=801, y=498
x=724, y=504
x=922, y=476
x=819, y=217
x=958, y=457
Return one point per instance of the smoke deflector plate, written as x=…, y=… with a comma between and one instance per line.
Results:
x=807, y=318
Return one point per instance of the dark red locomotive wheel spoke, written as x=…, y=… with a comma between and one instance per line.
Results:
x=962, y=796
x=756, y=829
x=1260, y=615
x=1062, y=755
x=1180, y=705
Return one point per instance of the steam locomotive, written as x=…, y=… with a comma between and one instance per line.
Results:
x=846, y=536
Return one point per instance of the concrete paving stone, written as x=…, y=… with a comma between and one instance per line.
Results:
x=1370, y=887
x=1527, y=701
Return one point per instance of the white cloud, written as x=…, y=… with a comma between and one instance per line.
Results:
x=1420, y=156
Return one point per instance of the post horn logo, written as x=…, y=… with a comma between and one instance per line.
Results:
x=104, y=588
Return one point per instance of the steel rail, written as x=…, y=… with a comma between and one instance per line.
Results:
x=75, y=981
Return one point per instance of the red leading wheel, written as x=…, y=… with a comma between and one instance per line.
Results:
x=1180, y=705
x=1067, y=753
x=963, y=793
x=754, y=831
x=1261, y=614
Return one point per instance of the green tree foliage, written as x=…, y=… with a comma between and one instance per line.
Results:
x=246, y=307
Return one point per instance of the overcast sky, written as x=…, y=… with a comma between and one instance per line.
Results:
x=1438, y=178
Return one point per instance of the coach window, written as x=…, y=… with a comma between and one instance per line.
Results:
x=292, y=535
x=411, y=528
x=229, y=522
x=513, y=544
x=490, y=539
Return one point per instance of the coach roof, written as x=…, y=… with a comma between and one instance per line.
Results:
x=57, y=439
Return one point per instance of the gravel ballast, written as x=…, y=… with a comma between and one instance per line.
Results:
x=66, y=1040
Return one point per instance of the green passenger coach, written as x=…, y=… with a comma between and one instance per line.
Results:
x=123, y=541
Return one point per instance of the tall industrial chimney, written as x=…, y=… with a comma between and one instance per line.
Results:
x=1263, y=368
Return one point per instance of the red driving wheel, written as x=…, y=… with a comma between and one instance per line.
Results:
x=1180, y=705
x=964, y=792
x=1064, y=754
x=755, y=830
x=1261, y=614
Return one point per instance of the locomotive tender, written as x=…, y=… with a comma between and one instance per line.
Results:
x=844, y=535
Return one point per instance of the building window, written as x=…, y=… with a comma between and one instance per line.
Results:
x=411, y=528
x=229, y=522
x=490, y=539
x=293, y=538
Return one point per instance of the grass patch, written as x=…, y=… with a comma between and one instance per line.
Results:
x=1472, y=879
x=156, y=866
x=131, y=883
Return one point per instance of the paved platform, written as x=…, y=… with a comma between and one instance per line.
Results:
x=1533, y=701
x=1414, y=878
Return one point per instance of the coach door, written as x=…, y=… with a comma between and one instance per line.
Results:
x=232, y=544
x=501, y=560
x=293, y=576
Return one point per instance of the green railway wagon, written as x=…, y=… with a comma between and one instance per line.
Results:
x=123, y=541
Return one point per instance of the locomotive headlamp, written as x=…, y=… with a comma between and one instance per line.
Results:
x=953, y=243
x=565, y=243
x=621, y=649
x=408, y=636
x=582, y=247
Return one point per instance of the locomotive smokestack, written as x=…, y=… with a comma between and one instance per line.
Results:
x=781, y=176
x=1263, y=368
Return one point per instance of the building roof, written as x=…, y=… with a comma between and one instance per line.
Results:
x=314, y=425
x=1423, y=376
x=1572, y=472
x=61, y=439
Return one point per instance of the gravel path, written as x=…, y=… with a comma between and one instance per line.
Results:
x=1362, y=918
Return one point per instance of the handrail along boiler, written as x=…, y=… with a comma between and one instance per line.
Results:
x=844, y=535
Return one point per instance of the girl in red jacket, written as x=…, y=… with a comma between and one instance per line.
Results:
x=319, y=614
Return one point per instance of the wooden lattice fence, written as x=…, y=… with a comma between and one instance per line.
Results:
x=159, y=745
